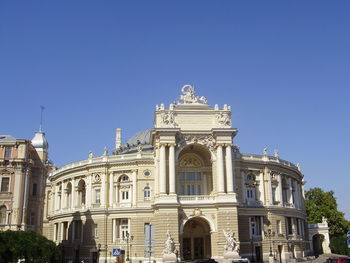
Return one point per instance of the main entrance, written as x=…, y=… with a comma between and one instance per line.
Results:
x=196, y=242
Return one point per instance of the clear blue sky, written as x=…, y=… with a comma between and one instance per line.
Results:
x=283, y=66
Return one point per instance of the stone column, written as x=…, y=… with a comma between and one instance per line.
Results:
x=73, y=202
x=269, y=187
x=113, y=230
x=63, y=195
x=25, y=197
x=134, y=187
x=289, y=190
x=220, y=170
x=229, y=172
x=103, y=190
x=162, y=172
x=172, y=181
x=279, y=189
x=156, y=172
x=111, y=189
x=88, y=194
x=262, y=188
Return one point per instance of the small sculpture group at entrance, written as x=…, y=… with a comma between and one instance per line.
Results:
x=231, y=246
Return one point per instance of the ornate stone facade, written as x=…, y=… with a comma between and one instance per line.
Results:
x=185, y=177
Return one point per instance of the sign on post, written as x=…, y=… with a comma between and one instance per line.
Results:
x=116, y=252
x=349, y=234
x=348, y=243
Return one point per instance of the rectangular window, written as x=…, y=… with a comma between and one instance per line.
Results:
x=94, y=230
x=289, y=226
x=77, y=229
x=97, y=196
x=182, y=189
x=5, y=183
x=124, y=228
x=273, y=195
x=298, y=226
x=255, y=226
x=55, y=232
x=149, y=239
x=34, y=189
x=65, y=230
x=278, y=227
x=8, y=152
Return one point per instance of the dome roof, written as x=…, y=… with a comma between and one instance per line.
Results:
x=142, y=137
x=39, y=142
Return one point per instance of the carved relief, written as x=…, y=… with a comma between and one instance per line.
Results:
x=97, y=179
x=206, y=140
x=190, y=161
x=224, y=119
x=168, y=119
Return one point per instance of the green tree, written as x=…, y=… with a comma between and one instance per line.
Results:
x=27, y=245
x=323, y=204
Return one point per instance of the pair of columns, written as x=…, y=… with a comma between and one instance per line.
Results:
x=222, y=165
x=162, y=169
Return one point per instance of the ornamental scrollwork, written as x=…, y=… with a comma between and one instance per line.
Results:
x=206, y=140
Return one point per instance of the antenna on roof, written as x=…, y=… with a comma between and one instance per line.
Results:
x=41, y=117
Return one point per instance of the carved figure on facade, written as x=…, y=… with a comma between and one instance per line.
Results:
x=139, y=146
x=91, y=155
x=168, y=119
x=169, y=245
x=265, y=151
x=206, y=140
x=232, y=245
x=97, y=178
x=224, y=119
x=105, y=151
x=189, y=96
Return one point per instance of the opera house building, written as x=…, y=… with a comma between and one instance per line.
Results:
x=181, y=191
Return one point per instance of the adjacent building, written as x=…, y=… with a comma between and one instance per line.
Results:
x=23, y=175
x=182, y=187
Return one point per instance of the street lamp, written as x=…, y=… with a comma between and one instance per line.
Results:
x=270, y=234
x=128, y=239
x=98, y=252
x=252, y=247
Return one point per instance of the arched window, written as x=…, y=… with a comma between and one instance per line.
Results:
x=82, y=192
x=69, y=195
x=124, y=189
x=147, y=193
x=3, y=215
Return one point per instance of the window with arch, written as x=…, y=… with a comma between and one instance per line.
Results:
x=147, y=193
x=69, y=195
x=192, y=174
x=124, y=189
x=3, y=215
x=82, y=192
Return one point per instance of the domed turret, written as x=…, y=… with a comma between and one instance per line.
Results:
x=41, y=145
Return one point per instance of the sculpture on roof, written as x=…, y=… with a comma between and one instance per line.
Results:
x=189, y=96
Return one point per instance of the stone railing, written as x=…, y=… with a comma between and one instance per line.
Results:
x=196, y=198
x=101, y=159
x=256, y=157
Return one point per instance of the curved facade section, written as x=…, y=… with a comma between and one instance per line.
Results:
x=186, y=193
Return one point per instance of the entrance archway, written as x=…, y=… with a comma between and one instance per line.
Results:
x=196, y=242
x=317, y=241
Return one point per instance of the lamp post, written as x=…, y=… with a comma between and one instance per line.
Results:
x=270, y=234
x=128, y=239
x=98, y=252
x=252, y=247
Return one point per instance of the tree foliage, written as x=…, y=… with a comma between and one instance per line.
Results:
x=27, y=245
x=339, y=245
x=323, y=204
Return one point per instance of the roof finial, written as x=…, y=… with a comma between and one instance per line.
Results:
x=41, y=117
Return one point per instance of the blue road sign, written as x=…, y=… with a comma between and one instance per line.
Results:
x=349, y=234
x=116, y=252
x=349, y=243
